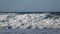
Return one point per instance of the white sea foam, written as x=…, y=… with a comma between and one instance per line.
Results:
x=29, y=21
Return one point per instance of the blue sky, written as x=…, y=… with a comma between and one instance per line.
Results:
x=29, y=5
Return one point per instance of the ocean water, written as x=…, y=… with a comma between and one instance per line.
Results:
x=30, y=23
x=31, y=31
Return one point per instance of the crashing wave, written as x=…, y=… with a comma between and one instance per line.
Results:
x=29, y=21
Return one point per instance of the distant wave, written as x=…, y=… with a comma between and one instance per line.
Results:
x=29, y=21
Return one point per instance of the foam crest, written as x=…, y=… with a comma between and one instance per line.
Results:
x=29, y=21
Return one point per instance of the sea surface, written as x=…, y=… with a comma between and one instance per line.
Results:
x=12, y=26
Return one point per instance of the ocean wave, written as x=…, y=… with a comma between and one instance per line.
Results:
x=29, y=21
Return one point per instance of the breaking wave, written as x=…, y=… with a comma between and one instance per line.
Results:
x=29, y=21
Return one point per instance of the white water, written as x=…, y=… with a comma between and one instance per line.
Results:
x=29, y=21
